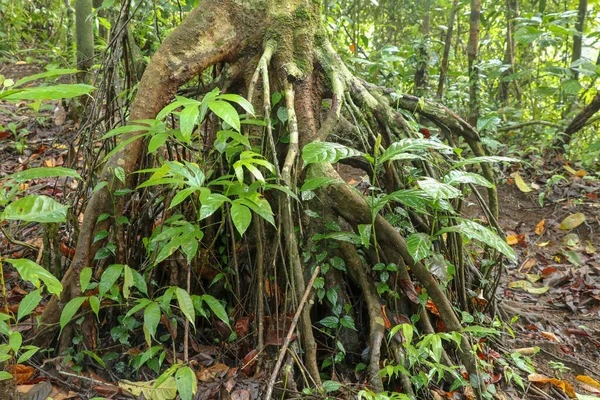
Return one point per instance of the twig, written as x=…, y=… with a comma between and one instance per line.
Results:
x=288, y=337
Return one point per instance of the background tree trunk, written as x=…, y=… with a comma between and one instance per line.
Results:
x=84, y=29
x=447, y=45
x=472, y=53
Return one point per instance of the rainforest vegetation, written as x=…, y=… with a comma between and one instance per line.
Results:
x=320, y=199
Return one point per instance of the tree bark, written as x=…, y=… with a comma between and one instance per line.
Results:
x=512, y=12
x=447, y=45
x=472, y=53
x=578, y=39
x=84, y=28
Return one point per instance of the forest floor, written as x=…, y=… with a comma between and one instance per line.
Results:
x=554, y=286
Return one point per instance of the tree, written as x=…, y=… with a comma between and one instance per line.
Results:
x=84, y=37
x=289, y=51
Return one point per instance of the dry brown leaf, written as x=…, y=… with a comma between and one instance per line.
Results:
x=559, y=383
x=527, y=264
x=551, y=336
x=21, y=372
x=540, y=227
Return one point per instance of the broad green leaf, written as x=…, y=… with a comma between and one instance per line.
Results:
x=236, y=98
x=5, y=375
x=32, y=272
x=27, y=354
x=185, y=304
x=43, y=75
x=70, y=310
x=571, y=86
x=315, y=183
x=365, y=234
x=527, y=34
x=55, y=92
x=330, y=322
x=43, y=172
x=210, y=204
x=152, y=317
x=404, y=148
x=109, y=277
x=29, y=303
x=413, y=198
x=473, y=230
x=188, y=119
x=124, y=129
x=331, y=386
x=341, y=236
x=438, y=190
x=483, y=159
x=95, y=304
x=14, y=341
x=456, y=177
x=226, y=112
x=241, y=216
x=260, y=206
x=34, y=208
x=217, y=308
x=156, y=141
x=326, y=152
x=187, y=383
x=128, y=281
x=436, y=347
x=419, y=246
x=84, y=278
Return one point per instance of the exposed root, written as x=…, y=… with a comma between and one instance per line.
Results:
x=352, y=207
x=310, y=345
x=376, y=323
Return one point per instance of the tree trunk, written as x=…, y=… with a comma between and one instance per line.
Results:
x=512, y=12
x=289, y=50
x=422, y=72
x=472, y=53
x=447, y=45
x=578, y=38
x=84, y=28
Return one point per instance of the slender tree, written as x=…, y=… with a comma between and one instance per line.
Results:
x=84, y=31
x=472, y=54
x=447, y=46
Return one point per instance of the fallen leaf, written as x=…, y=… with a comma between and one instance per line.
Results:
x=540, y=227
x=386, y=321
x=249, y=362
x=167, y=390
x=590, y=249
x=580, y=173
x=528, y=287
x=512, y=239
x=572, y=221
x=527, y=264
x=559, y=383
x=39, y=390
x=533, y=278
x=523, y=187
x=21, y=372
x=589, y=381
x=551, y=336
x=569, y=169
